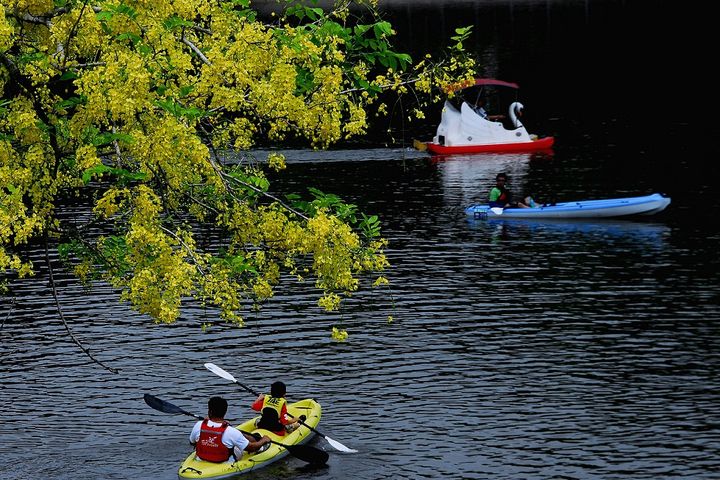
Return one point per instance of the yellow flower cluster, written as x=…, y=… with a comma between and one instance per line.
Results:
x=276, y=161
x=33, y=7
x=6, y=31
x=339, y=335
x=150, y=103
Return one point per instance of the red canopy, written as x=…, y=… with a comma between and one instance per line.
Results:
x=480, y=81
x=492, y=81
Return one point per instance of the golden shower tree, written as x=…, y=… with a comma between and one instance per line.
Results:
x=146, y=107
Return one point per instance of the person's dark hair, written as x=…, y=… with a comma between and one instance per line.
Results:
x=217, y=407
x=277, y=389
x=501, y=175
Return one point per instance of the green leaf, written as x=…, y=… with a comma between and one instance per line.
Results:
x=124, y=176
x=238, y=264
x=126, y=10
x=175, y=22
x=360, y=30
x=304, y=80
x=404, y=59
x=313, y=13
x=134, y=38
x=106, y=138
x=69, y=75
x=463, y=34
x=334, y=29
x=370, y=226
x=186, y=90
x=171, y=106
x=259, y=182
x=104, y=15
x=31, y=57
x=71, y=102
x=382, y=29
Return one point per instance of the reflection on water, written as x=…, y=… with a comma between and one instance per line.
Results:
x=345, y=155
x=638, y=233
x=472, y=176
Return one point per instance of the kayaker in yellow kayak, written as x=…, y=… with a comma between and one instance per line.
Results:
x=216, y=441
x=274, y=411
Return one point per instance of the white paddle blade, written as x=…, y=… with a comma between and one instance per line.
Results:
x=220, y=372
x=497, y=210
x=339, y=446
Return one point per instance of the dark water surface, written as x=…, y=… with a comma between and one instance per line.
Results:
x=517, y=350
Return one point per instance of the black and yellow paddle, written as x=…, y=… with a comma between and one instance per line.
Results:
x=305, y=453
x=222, y=373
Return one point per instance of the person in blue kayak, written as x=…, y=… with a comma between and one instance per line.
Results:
x=216, y=441
x=273, y=407
x=501, y=197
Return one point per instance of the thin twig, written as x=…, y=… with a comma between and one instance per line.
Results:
x=203, y=204
x=66, y=47
x=201, y=29
x=12, y=307
x=266, y=194
x=62, y=317
x=117, y=148
x=88, y=65
x=186, y=246
x=389, y=85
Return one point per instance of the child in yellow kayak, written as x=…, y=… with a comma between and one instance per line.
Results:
x=274, y=411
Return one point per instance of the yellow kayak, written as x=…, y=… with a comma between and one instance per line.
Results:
x=193, y=467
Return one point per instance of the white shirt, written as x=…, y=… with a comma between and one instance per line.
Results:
x=231, y=438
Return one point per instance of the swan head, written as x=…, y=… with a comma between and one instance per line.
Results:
x=516, y=109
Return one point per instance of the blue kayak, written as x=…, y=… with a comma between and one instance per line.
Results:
x=611, y=207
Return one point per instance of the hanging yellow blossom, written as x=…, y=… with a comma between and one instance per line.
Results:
x=339, y=335
x=149, y=109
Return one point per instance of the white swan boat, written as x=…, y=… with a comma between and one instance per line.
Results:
x=465, y=131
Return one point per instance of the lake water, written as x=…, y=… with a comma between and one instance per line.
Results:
x=517, y=350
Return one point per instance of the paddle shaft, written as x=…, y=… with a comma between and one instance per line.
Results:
x=248, y=389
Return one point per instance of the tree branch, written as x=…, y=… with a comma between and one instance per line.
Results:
x=266, y=194
x=41, y=20
x=196, y=50
x=187, y=248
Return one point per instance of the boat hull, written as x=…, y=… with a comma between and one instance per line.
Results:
x=544, y=143
x=194, y=468
x=613, y=207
